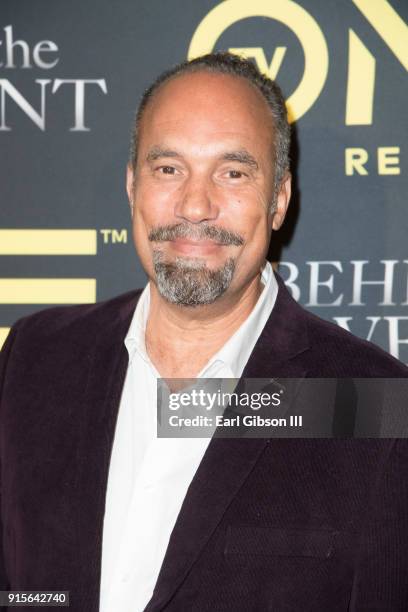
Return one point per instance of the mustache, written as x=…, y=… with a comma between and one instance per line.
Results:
x=164, y=233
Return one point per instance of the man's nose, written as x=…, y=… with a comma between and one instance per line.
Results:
x=196, y=202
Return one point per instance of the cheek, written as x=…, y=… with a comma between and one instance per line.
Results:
x=253, y=224
x=247, y=216
x=250, y=202
x=152, y=207
x=257, y=241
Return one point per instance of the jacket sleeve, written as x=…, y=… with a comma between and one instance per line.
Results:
x=4, y=358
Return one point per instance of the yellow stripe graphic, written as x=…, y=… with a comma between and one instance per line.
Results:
x=389, y=25
x=3, y=334
x=47, y=290
x=360, y=84
x=48, y=242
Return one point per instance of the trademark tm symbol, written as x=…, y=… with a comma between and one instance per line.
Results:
x=113, y=236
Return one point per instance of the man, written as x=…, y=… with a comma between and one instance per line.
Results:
x=92, y=501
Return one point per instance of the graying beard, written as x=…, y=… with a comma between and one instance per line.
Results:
x=188, y=281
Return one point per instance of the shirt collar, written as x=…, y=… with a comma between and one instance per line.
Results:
x=135, y=338
x=235, y=352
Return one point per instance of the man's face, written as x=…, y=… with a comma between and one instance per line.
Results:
x=203, y=187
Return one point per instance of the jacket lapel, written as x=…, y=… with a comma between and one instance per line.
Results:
x=227, y=462
x=225, y=466
x=99, y=411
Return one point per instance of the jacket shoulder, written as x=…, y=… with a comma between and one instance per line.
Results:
x=84, y=318
x=341, y=351
x=324, y=348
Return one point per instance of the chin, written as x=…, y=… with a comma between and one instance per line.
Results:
x=189, y=281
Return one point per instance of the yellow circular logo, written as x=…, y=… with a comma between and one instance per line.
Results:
x=294, y=17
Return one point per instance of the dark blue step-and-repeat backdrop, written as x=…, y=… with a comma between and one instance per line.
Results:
x=71, y=74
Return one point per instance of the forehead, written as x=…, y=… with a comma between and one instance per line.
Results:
x=204, y=106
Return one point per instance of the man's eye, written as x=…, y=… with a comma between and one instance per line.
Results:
x=166, y=170
x=235, y=174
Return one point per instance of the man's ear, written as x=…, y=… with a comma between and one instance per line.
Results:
x=130, y=185
x=282, y=201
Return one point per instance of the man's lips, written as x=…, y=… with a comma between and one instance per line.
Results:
x=189, y=245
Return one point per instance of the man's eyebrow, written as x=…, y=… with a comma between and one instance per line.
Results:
x=158, y=152
x=242, y=156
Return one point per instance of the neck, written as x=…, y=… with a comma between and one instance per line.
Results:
x=180, y=340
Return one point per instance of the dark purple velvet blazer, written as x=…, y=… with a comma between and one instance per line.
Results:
x=267, y=525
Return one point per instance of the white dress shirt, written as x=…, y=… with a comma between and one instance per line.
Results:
x=149, y=476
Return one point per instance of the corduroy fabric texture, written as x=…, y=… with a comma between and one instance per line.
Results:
x=282, y=525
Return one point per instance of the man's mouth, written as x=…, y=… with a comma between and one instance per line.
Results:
x=183, y=235
x=194, y=247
